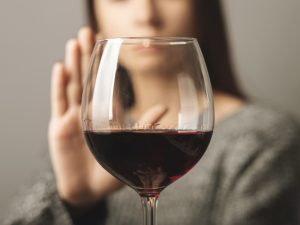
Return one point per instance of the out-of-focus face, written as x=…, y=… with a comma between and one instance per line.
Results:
x=145, y=18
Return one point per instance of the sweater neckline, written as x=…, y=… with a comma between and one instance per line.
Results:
x=232, y=116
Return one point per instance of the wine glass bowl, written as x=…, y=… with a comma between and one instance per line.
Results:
x=147, y=111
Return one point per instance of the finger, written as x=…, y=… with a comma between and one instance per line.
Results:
x=152, y=116
x=58, y=90
x=86, y=41
x=72, y=61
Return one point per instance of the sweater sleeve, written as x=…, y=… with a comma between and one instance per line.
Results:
x=264, y=189
x=41, y=205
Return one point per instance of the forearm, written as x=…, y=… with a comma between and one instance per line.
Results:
x=94, y=215
x=41, y=204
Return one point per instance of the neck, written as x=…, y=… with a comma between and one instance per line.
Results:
x=148, y=88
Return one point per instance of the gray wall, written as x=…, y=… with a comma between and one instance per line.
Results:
x=265, y=44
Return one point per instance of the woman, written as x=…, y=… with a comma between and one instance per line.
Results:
x=248, y=175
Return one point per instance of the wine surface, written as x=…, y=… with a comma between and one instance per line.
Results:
x=148, y=160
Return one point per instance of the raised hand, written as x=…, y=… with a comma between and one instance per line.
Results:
x=80, y=179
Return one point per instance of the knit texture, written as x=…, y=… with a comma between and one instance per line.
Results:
x=248, y=176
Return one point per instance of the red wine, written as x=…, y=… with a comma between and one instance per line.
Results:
x=148, y=161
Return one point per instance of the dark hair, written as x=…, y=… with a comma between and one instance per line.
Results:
x=213, y=43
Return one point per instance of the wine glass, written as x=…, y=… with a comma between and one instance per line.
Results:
x=147, y=111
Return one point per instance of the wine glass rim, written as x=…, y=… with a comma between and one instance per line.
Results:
x=153, y=40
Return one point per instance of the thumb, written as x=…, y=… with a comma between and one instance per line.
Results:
x=152, y=116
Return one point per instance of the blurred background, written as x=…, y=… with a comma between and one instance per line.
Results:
x=265, y=44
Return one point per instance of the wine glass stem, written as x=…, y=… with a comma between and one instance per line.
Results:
x=149, y=207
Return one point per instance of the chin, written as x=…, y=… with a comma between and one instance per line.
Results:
x=147, y=65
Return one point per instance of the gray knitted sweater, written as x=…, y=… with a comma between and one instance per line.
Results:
x=248, y=176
